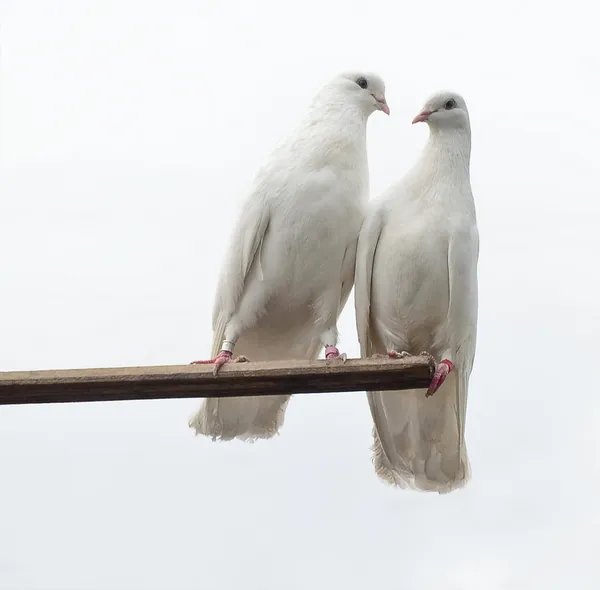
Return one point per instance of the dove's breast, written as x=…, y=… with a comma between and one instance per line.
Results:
x=410, y=285
x=313, y=231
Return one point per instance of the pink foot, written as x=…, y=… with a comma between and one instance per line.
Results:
x=331, y=352
x=441, y=372
x=223, y=357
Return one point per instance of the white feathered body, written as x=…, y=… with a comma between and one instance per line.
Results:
x=290, y=265
x=416, y=290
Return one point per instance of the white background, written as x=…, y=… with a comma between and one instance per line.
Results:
x=130, y=132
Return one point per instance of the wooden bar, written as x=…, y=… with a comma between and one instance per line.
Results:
x=197, y=381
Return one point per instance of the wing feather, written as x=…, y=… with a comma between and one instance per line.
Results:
x=245, y=243
x=367, y=247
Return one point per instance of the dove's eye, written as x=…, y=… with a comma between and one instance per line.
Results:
x=362, y=82
x=450, y=104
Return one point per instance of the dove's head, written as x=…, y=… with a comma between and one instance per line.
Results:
x=365, y=89
x=445, y=111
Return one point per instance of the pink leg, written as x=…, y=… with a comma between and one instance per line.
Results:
x=223, y=357
x=331, y=352
x=441, y=372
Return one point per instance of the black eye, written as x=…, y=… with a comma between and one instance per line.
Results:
x=450, y=104
x=362, y=82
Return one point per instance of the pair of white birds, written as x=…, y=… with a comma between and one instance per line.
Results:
x=307, y=233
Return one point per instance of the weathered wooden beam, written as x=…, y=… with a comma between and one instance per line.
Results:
x=191, y=381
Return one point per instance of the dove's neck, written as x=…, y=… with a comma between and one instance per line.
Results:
x=335, y=115
x=448, y=152
x=333, y=108
x=339, y=130
x=444, y=162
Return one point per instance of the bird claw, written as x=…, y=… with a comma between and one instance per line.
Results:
x=221, y=359
x=332, y=353
x=440, y=372
x=229, y=359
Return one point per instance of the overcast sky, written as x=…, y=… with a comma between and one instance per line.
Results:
x=130, y=132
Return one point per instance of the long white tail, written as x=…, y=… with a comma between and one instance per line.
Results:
x=251, y=418
x=419, y=441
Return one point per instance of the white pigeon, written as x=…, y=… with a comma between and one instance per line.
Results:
x=290, y=265
x=416, y=293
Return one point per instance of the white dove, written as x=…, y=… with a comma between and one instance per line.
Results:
x=290, y=265
x=416, y=293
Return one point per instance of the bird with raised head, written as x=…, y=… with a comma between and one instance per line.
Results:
x=416, y=293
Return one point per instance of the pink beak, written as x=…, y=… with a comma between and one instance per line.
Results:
x=382, y=104
x=422, y=116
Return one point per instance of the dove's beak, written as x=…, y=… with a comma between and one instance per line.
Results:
x=422, y=116
x=382, y=105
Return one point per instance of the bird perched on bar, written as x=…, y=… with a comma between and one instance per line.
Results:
x=290, y=264
x=416, y=293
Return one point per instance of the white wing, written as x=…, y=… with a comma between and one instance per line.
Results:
x=244, y=252
x=365, y=256
x=246, y=418
x=463, y=255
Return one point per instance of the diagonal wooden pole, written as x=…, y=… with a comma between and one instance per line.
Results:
x=196, y=381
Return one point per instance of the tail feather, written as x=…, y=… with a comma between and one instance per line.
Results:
x=419, y=441
x=246, y=419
